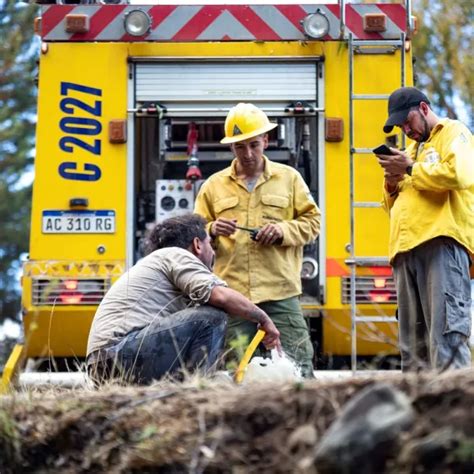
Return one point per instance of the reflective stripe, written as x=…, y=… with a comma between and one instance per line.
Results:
x=218, y=22
x=337, y=267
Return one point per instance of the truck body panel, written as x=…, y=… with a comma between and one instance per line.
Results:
x=94, y=198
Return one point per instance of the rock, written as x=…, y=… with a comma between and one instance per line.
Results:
x=366, y=432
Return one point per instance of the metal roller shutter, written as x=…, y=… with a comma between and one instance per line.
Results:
x=275, y=84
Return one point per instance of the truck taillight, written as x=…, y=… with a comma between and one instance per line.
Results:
x=68, y=291
x=70, y=295
x=380, y=282
x=71, y=298
x=70, y=284
x=370, y=289
x=377, y=296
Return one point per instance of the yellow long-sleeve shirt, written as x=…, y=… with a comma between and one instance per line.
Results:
x=438, y=198
x=261, y=272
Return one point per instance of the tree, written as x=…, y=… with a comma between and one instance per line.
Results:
x=17, y=117
x=443, y=49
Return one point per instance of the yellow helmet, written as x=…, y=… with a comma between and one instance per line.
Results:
x=245, y=121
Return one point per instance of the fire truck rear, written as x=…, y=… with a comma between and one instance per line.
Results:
x=131, y=105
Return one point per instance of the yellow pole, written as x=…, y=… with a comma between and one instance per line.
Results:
x=239, y=374
x=11, y=367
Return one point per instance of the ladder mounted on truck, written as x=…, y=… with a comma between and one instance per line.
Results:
x=360, y=47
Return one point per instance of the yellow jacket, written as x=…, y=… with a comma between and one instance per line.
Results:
x=438, y=198
x=261, y=272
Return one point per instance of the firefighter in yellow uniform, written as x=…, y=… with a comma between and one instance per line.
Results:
x=254, y=192
x=429, y=192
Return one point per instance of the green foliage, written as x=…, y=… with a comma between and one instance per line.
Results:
x=237, y=348
x=9, y=439
x=17, y=117
x=443, y=50
x=148, y=431
x=464, y=452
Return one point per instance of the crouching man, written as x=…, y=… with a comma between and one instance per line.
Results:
x=168, y=314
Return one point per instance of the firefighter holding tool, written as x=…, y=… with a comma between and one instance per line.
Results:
x=256, y=193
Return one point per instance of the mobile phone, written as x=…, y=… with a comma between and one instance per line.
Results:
x=382, y=150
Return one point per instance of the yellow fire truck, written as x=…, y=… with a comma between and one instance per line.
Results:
x=131, y=105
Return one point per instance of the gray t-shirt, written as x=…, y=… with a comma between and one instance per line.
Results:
x=164, y=282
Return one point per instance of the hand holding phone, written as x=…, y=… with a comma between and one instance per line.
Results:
x=383, y=150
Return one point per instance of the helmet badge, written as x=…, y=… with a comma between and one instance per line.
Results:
x=236, y=131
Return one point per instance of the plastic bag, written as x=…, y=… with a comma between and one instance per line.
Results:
x=278, y=368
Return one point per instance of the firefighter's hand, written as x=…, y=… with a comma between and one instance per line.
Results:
x=395, y=164
x=391, y=181
x=271, y=340
x=270, y=234
x=223, y=226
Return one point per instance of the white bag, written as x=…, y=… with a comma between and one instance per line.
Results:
x=278, y=368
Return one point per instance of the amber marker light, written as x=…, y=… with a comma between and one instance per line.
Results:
x=375, y=22
x=77, y=23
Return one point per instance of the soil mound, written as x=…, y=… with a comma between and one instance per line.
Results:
x=203, y=426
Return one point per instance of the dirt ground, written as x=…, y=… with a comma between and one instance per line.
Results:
x=203, y=426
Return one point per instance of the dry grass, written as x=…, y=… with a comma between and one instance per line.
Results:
x=213, y=426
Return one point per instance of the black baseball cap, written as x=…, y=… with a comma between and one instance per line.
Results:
x=399, y=104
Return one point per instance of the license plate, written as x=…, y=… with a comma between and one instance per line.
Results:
x=78, y=222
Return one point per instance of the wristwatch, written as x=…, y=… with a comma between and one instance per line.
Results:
x=409, y=169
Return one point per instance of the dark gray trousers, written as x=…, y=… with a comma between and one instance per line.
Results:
x=434, y=305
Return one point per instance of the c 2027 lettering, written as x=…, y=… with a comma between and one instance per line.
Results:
x=77, y=129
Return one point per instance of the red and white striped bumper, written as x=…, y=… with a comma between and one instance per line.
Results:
x=219, y=22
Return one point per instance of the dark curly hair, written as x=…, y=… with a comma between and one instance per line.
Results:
x=177, y=232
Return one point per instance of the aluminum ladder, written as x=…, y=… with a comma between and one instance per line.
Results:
x=365, y=47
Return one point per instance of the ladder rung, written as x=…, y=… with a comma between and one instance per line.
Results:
x=370, y=96
x=367, y=204
x=375, y=319
x=368, y=261
x=386, y=42
x=362, y=151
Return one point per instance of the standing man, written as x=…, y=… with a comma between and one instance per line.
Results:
x=168, y=314
x=255, y=192
x=429, y=192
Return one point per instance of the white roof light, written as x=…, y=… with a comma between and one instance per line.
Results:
x=112, y=2
x=316, y=25
x=137, y=23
